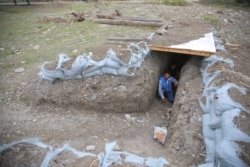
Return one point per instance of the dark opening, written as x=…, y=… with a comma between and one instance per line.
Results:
x=175, y=64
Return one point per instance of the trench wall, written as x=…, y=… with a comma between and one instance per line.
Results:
x=184, y=127
x=107, y=93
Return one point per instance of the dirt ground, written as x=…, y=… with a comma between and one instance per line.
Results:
x=28, y=39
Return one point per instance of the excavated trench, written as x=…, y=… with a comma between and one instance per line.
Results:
x=184, y=139
x=184, y=123
x=128, y=94
x=183, y=126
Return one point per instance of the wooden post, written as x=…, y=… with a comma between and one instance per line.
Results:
x=128, y=18
x=163, y=28
x=128, y=22
x=28, y=1
x=125, y=39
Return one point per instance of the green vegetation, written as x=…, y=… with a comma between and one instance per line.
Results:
x=79, y=6
x=175, y=2
x=211, y=19
x=27, y=40
x=228, y=3
x=154, y=2
x=12, y=9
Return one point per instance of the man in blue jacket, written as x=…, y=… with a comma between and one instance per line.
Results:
x=165, y=87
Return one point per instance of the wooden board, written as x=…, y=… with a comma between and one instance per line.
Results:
x=182, y=51
x=129, y=18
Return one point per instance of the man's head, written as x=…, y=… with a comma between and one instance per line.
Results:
x=166, y=75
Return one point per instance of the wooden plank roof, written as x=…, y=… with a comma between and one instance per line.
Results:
x=185, y=36
x=201, y=47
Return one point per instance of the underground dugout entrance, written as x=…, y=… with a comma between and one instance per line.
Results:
x=172, y=63
x=178, y=55
x=185, y=107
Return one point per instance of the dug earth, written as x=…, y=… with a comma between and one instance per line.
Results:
x=90, y=112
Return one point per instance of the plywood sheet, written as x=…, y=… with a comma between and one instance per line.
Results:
x=193, y=37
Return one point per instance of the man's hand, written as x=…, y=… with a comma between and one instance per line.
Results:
x=164, y=100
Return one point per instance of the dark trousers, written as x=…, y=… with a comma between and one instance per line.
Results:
x=169, y=95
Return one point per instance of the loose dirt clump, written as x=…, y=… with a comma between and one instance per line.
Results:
x=66, y=18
